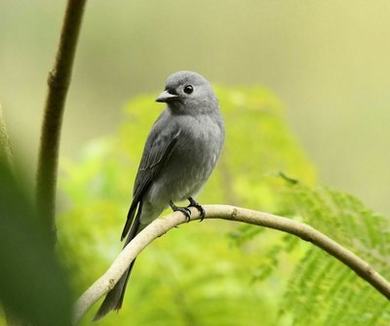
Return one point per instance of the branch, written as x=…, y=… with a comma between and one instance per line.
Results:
x=58, y=81
x=161, y=225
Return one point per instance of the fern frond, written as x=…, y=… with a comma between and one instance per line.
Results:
x=322, y=291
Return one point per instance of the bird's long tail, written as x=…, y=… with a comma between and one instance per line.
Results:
x=114, y=298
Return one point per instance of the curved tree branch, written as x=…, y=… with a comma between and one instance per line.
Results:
x=162, y=225
x=58, y=81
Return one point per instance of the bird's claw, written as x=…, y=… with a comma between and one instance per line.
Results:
x=186, y=211
x=194, y=203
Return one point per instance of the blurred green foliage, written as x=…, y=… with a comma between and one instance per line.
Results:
x=321, y=291
x=215, y=272
x=327, y=60
x=33, y=285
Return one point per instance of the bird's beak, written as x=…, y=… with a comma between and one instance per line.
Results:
x=166, y=97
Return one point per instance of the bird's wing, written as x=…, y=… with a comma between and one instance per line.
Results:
x=158, y=149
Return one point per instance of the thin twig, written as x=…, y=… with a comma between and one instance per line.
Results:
x=162, y=225
x=58, y=82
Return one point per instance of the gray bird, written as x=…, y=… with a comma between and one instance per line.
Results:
x=179, y=155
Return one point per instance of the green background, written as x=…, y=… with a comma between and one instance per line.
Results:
x=303, y=87
x=326, y=60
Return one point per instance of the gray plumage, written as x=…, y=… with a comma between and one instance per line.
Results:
x=179, y=155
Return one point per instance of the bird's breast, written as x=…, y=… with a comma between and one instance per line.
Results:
x=192, y=159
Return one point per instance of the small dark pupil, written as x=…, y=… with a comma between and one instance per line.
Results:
x=188, y=89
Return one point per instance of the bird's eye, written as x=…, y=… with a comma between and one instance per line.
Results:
x=188, y=89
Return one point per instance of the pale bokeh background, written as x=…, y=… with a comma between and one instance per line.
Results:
x=328, y=61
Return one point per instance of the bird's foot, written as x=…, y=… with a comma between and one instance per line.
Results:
x=194, y=203
x=186, y=211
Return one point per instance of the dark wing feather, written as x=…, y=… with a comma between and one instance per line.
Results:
x=158, y=148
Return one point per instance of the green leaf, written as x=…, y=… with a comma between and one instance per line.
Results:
x=33, y=286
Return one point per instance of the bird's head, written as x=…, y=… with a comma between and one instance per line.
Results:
x=188, y=92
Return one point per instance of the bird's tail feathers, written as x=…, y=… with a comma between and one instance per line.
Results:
x=136, y=206
x=114, y=298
